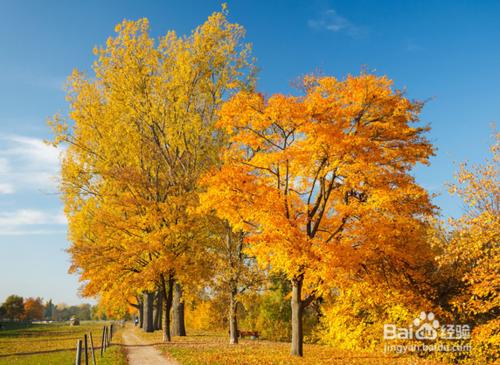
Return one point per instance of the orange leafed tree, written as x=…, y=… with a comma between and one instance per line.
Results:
x=33, y=309
x=323, y=183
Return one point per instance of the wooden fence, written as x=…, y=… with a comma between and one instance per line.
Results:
x=85, y=350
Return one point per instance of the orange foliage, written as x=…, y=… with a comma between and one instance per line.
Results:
x=324, y=177
x=33, y=309
x=322, y=181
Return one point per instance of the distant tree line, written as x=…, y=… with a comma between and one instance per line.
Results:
x=17, y=308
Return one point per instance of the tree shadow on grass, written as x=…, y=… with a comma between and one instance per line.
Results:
x=96, y=349
x=37, y=352
x=29, y=334
x=51, y=339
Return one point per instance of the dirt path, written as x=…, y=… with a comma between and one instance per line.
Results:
x=140, y=352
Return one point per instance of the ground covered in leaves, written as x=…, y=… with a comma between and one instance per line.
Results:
x=202, y=348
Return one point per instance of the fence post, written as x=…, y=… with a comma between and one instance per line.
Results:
x=78, y=352
x=86, y=349
x=110, y=333
x=102, y=340
x=92, y=348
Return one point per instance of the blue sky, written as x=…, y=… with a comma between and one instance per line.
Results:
x=447, y=52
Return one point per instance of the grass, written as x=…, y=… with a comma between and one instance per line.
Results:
x=54, y=343
x=202, y=348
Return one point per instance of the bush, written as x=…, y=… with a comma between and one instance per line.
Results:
x=354, y=318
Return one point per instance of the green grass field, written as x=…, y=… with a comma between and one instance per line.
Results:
x=54, y=344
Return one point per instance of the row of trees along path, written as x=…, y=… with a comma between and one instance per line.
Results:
x=178, y=175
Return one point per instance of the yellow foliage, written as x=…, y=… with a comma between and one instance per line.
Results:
x=138, y=134
x=354, y=318
x=200, y=316
x=471, y=253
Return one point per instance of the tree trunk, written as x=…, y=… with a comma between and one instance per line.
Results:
x=178, y=325
x=233, y=320
x=167, y=288
x=148, y=312
x=297, y=311
x=141, y=312
x=158, y=310
x=155, y=311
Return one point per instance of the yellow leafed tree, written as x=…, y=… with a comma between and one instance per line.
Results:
x=139, y=134
x=471, y=254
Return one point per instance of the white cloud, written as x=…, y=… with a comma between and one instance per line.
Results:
x=27, y=163
x=35, y=232
x=29, y=221
x=23, y=217
x=33, y=150
x=6, y=188
x=28, y=166
x=4, y=165
x=330, y=20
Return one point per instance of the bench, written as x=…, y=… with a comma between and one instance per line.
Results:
x=254, y=335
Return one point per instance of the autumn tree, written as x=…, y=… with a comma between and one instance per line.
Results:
x=13, y=307
x=235, y=272
x=139, y=134
x=471, y=253
x=33, y=309
x=323, y=182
